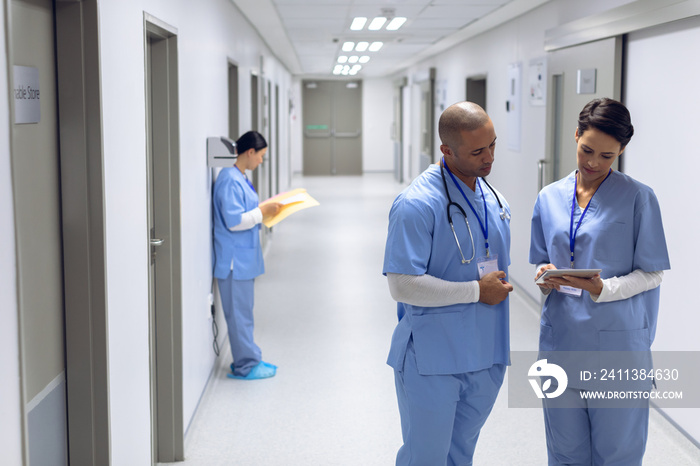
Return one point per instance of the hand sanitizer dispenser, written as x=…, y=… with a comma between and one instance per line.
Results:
x=221, y=152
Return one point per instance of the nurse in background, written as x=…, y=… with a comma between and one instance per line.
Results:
x=603, y=219
x=238, y=256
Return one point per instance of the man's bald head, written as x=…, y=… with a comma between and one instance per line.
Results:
x=462, y=116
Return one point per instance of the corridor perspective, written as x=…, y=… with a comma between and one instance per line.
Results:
x=121, y=120
x=324, y=315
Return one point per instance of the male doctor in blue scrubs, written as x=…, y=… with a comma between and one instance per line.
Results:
x=450, y=348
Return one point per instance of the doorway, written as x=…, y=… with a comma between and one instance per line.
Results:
x=476, y=90
x=163, y=236
x=332, y=119
x=39, y=242
x=603, y=59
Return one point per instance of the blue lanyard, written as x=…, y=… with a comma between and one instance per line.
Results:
x=572, y=232
x=484, y=229
x=247, y=180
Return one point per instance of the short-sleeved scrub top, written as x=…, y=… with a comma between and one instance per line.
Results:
x=621, y=232
x=462, y=337
x=236, y=252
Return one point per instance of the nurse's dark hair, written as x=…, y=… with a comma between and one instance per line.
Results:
x=250, y=140
x=609, y=116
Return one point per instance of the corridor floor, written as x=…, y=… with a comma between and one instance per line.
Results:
x=324, y=315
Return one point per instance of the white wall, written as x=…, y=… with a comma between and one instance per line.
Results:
x=209, y=34
x=663, y=104
x=10, y=398
x=663, y=154
x=377, y=118
x=514, y=173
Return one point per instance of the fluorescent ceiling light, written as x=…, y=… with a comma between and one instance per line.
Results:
x=338, y=69
x=356, y=67
x=358, y=23
x=375, y=46
x=343, y=59
x=354, y=59
x=348, y=46
x=395, y=23
x=377, y=23
x=364, y=58
x=361, y=46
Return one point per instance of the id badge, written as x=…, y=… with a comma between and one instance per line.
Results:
x=571, y=291
x=487, y=265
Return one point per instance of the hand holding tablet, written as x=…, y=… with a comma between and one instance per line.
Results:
x=582, y=273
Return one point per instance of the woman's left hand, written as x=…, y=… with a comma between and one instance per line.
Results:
x=593, y=285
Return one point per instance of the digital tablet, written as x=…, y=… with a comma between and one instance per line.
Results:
x=583, y=273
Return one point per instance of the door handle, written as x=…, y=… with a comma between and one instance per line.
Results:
x=157, y=242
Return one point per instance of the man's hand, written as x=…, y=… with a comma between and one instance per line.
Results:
x=493, y=288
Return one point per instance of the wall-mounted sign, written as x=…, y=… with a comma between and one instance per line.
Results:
x=585, y=81
x=26, y=93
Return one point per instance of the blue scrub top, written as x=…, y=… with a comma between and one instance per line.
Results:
x=621, y=232
x=232, y=197
x=462, y=337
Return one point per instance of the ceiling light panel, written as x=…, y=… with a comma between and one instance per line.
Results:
x=377, y=23
x=358, y=23
x=348, y=46
x=361, y=46
x=395, y=23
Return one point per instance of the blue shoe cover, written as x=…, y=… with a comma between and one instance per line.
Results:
x=261, y=371
x=271, y=366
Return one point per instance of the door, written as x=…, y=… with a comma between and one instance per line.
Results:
x=397, y=130
x=163, y=236
x=332, y=120
x=476, y=90
x=603, y=59
x=37, y=197
x=427, y=121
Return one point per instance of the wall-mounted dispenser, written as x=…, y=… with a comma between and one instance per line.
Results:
x=221, y=152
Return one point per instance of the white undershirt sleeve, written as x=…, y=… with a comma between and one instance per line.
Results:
x=249, y=220
x=429, y=291
x=618, y=288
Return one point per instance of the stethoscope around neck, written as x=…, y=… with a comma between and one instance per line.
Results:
x=450, y=203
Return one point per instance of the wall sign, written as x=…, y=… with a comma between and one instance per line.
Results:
x=26, y=93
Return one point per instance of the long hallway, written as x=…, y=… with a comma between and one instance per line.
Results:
x=325, y=317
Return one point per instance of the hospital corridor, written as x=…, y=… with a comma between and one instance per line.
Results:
x=325, y=317
x=307, y=232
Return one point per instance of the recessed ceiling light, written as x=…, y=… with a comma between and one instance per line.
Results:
x=343, y=59
x=348, y=46
x=395, y=23
x=364, y=58
x=377, y=23
x=375, y=46
x=354, y=59
x=338, y=69
x=361, y=46
x=358, y=23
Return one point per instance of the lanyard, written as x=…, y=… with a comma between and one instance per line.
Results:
x=247, y=180
x=572, y=232
x=484, y=229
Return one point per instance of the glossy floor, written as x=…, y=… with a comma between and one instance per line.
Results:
x=324, y=315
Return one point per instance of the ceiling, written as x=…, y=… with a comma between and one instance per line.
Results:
x=307, y=35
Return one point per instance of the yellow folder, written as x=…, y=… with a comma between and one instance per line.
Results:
x=293, y=201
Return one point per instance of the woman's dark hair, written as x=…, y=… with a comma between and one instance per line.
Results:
x=250, y=140
x=608, y=116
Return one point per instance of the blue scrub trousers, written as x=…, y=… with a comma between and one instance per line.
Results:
x=585, y=433
x=237, y=298
x=442, y=415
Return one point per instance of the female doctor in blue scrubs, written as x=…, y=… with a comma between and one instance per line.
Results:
x=598, y=218
x=238, y=255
